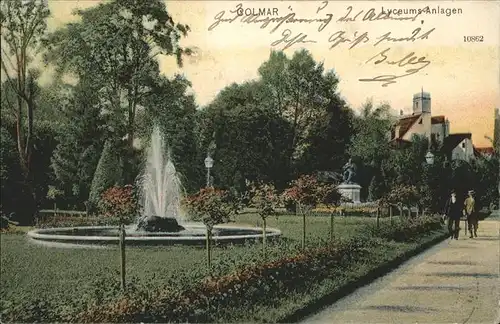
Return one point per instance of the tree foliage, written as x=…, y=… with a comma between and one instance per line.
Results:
x=173, y=110
x=107, y=174
x=116, y=44
x=23, y=24
x=265, y=198
x=80, y=145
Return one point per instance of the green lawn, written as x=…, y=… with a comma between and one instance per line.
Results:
x=31, y=272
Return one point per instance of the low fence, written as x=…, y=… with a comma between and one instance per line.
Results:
x=45, y=214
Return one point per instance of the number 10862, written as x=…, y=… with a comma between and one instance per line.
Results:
x=473, y=39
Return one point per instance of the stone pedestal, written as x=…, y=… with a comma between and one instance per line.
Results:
x=351, y=191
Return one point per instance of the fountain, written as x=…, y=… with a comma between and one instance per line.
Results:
x=161, y=220
x=161, y=190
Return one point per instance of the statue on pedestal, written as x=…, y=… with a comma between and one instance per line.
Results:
x=349, y=172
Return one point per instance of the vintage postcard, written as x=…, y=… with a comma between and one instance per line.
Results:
x=250, y=161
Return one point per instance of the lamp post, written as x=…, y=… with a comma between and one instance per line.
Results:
x=429, y=159
x=209, y=163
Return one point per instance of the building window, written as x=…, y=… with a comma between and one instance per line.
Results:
x=463, y=144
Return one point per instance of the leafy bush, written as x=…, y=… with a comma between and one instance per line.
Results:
x=119, y=202
x=304, y=191
x=401, y=195
x=407, y=229
x=212, y=206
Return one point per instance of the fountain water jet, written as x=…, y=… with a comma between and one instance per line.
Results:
x=161, y=189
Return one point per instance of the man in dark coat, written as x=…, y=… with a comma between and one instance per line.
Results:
x=453, y=211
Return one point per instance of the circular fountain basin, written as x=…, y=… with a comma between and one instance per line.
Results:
x=194, y=234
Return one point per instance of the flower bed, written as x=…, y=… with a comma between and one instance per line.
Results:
x=250, y=292
x=259, y=284
x=217, y=298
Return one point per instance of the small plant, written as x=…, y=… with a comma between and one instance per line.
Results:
x=119, y=202
x=330, y=196
x=265, y=198
x=402, y=196
x=211, y=206
x=306, y=192
x=53, y=194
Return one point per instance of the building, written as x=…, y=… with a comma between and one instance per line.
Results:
x=435, y=128
x=487, y=152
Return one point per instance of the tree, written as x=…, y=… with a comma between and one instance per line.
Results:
x=265, y=198
x=23, y=25
x=10, y=173
x=329, y=195
x=300, y=92
x=370, y=143
x=402, y=196
x=211, y=206
x=251, y=140
x=328, y=139
x=306, y=192
x=485, y=180
x=116, y=44
x=173, y=110
x=81, y=141
x=107, y=174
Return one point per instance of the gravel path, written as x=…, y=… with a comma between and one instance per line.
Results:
x=453, y=282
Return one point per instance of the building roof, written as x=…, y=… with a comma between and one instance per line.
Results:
x=406, y=123
x=452, y=140
x=437, y=120
x=485, y=150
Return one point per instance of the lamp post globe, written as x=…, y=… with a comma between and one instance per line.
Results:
x=209, y=163
x=429, y=158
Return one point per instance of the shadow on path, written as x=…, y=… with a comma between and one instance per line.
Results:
x=487, y=238
x=452, y=262
x=401, y=308
x=463, y=274
x=429, y=288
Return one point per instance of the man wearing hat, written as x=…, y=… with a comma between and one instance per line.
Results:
x=453, y=211
x=470, y=212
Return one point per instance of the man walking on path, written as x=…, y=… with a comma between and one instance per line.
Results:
x=470, y=212
x=453, y=210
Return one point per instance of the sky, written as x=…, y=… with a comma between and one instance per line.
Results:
x=462, y=77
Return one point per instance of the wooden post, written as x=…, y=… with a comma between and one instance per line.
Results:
x=122, y=256
x=378, y=218
x=390, y=214
x=209, y=248
x=332, y=226
x=303, y=230
x=264, y=239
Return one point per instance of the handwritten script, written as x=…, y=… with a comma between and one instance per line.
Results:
x=289, y=23
x=409, y=60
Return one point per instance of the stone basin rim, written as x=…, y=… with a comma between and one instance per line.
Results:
x=44, y=234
